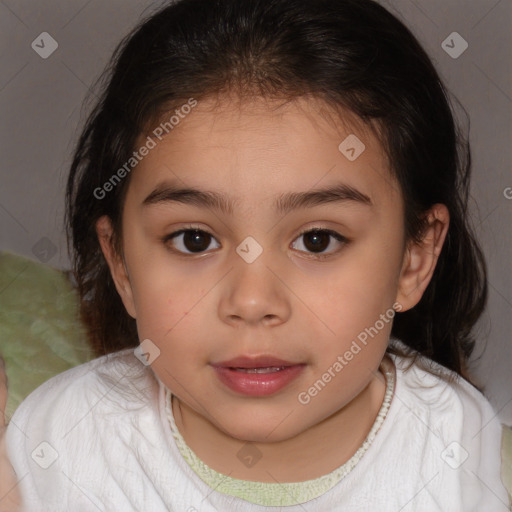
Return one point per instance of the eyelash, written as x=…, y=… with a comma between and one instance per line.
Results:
x=340, y=238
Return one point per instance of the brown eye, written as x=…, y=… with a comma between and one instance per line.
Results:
x=318, y=240
x=190, y=241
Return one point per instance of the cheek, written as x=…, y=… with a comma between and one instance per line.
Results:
x=353, y=296
x=373, y=271
x=175, y=322
x=168, y=301
x=352, y=302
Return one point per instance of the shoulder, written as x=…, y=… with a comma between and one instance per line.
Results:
x=83, y=399
x=91, y=438
x=453, y=428
x=426, y=384
x=79, y=387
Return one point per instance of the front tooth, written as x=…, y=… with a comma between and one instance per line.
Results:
x=271, y=369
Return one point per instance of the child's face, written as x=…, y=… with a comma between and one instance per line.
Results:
x=203, y=308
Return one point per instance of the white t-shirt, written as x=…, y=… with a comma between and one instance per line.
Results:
x=98, y=437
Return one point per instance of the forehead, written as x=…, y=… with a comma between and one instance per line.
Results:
x=256, y=146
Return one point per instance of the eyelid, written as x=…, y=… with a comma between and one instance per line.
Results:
x=188, y=227
x=324, y=229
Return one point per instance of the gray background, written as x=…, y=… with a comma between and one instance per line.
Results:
x=41, y=109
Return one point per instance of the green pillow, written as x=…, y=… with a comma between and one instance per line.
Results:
x=40, y=331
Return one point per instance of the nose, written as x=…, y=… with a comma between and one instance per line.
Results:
x=255, y=295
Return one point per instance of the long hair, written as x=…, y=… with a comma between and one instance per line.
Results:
x=352, y=54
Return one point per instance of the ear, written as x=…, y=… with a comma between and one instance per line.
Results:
x=420, y=258
x=115, y=263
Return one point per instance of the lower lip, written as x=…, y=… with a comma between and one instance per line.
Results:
x=257, y=384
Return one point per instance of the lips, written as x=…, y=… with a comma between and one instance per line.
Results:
x=257, y=376
x=245, y=362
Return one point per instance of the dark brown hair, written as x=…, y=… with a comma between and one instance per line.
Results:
x=349, y=53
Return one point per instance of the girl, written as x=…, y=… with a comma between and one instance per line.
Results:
x=268, y=215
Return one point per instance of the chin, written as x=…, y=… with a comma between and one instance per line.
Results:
x=261, y=431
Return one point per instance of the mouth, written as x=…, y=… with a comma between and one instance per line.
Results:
x=257, y=376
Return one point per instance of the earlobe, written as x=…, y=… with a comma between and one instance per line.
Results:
x=421, y=258
x=116, y=263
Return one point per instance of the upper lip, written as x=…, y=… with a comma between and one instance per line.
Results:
x=254, y=362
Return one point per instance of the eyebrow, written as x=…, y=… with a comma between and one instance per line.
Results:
x=338, y=193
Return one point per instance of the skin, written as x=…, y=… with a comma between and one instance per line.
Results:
x=9, y=496
x=213, y=306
